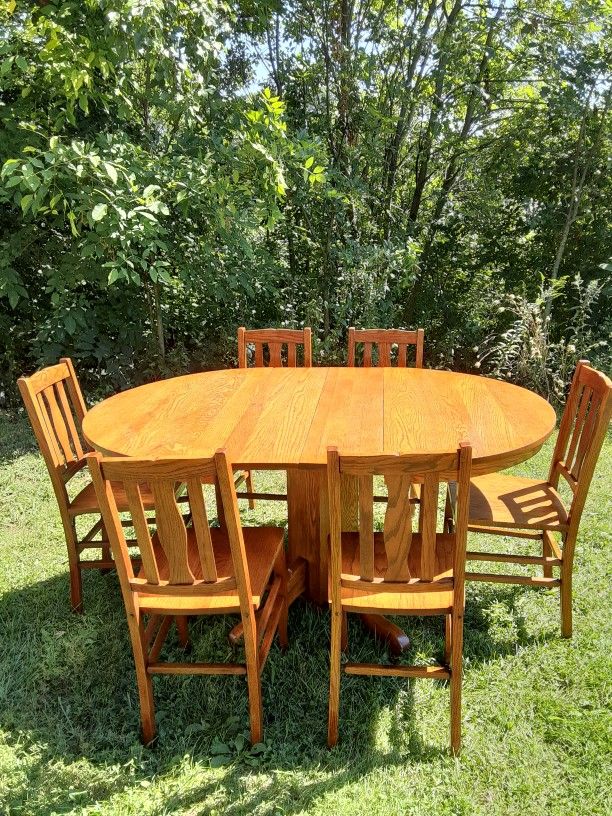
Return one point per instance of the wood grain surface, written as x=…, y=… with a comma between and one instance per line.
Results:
x=286, y=418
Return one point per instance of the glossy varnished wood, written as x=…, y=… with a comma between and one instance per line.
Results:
x=527, y=508
x=286, y=417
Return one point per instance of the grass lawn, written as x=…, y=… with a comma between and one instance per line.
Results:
x=537, y=727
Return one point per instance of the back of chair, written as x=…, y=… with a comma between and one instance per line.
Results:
x=378, y=346
x=581, y=434
x=56, y=408
x=400, y=472
x=163, y=539
x=269, y=347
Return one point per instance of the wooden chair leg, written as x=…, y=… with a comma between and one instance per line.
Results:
x=143, y=679
x=253, y=680
x=448, y=638
x=106, y=550
x=334, y=678
x=566, y=601
x=249, y=487
x=344, y=637
x=547, y=570
x=456, y=677
x=182, y=627
x=280, y=568
x=76, y=581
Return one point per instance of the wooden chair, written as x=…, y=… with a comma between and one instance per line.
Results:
x=384, y=340
x=269, y=350
x=532, y=509
x=398, y=571
x=269, y=346
x=190, y=568
x=56, y=408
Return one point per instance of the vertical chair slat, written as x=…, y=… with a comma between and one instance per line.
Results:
x=59, y=424
x=65, y=406
x=171, y=532
x=367, y=355
x=143, y=536
x=201, y=527
x=49, y=431
x=366, y=527
x=291, y=355
x=586, y=436
x=275, y=354
x=384, y=354
x=428, y=517
x=578, y=425
x=397, y=529
x=402, y=355
x=76, y=396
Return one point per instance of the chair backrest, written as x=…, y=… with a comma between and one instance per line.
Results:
x=400, y=472
x=163, y=538
x=268, y=345
x=379, y=346
x=56, y=408
x=581, y=434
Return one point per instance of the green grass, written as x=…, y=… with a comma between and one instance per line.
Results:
x=537, y=727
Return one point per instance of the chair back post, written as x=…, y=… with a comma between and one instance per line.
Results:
x=462, y=514
x=233, y=526
x=334, y=506
x=242, y=362
x=112, y=523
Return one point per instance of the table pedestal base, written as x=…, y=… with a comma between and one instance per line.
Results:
x=397, y=639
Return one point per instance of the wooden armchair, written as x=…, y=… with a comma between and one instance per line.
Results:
x=56, y=408
x=532, y=509
x=378, y=346
x=190, y=569
x=398, y=571
x=271, y=348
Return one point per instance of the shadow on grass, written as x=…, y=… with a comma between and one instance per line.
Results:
x=16, y=438
x=68, y=699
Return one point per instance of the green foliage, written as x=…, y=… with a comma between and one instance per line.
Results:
x=170, y=170
x=527, y=352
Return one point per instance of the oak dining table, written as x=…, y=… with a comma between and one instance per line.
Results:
x=285, y=418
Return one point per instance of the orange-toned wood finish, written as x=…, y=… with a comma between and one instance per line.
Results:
x=284, y=418
x=399, y=571
x=381, y=346
x=275, y=347
x=56, y=409
x=527, y=508
x=269, y=345
x=190, y=569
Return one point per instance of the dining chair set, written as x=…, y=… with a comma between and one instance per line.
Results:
x=196, y=557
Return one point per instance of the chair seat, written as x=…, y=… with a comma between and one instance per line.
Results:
x=427, y=598
x=86, y=502
x=513, y=502
x=262, y=546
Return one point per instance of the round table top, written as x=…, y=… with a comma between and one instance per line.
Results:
x=286, y=417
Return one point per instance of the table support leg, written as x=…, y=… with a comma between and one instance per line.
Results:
x=397, y=639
